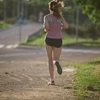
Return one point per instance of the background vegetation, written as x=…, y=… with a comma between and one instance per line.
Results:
x=82, y=16
x=87, y=83
x=68, y=40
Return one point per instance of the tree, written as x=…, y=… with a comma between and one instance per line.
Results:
x=91, y=8
x=93, y=31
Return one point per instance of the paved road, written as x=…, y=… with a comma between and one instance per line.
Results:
x=27, y=52
x=11, y=36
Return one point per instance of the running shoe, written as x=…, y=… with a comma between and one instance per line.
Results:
x=59, y=69
x=51, y=82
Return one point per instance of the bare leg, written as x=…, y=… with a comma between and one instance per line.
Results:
x=56, y=53
x=49, y=50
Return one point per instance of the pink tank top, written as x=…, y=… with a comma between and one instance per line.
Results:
x=54, y=31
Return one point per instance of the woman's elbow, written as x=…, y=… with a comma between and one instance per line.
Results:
x=65, y=27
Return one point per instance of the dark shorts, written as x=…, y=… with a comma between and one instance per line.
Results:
x=54, y=42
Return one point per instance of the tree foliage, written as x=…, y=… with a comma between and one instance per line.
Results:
x=35, y=6
x=91, y=8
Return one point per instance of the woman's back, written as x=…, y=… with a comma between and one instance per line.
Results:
x=54, y=27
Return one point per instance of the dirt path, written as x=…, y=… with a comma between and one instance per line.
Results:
x=27, y=79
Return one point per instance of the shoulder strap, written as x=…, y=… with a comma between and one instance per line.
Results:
x=49, y=18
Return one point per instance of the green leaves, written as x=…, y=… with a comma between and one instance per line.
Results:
x=39, y=2
x=91, y=8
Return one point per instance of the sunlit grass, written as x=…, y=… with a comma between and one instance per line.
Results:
x=87, y=80
x=38, y=40
x=35, y=40
x=4, y=25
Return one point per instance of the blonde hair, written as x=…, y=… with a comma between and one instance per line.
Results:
x=56, y=7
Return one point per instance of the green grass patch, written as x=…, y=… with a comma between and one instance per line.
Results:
x=38, y=40
x=87, y=80
x=35, y=40
x=4, y=25
x=68, y=87
x=6, y=72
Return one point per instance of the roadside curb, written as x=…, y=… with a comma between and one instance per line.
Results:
x=27, y=38
x=29, y=47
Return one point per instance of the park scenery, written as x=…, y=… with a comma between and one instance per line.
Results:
x=24, y=73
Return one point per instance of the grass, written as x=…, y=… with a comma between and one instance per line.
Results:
x=38, y=40
x=4, y=25
x=87, y=80
x=35, y=40
x=6, y=72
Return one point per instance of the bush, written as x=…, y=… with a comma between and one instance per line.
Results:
x=11, y=20
x=93, y=31
x=72, y=30
x=1, y=24
x=87, y=30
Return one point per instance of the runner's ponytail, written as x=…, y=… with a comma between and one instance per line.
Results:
x=56, y=7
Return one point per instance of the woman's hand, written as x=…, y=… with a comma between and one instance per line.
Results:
x=64, y=23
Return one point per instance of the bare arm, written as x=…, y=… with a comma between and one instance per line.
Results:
x=46, y=25
x=64, y=23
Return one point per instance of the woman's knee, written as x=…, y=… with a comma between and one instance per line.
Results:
x=50, y=62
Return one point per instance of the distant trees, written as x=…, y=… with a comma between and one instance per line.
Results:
x=91, y=8
x=30, y=10
x=11, y=9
